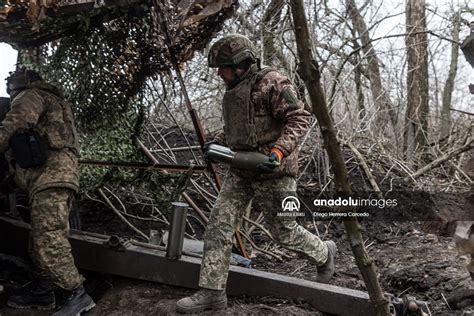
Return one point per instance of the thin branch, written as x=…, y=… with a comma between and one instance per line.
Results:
x=442, y=159
x=122, y=217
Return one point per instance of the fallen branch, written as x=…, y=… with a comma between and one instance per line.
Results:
x=186, y=197
x=122, y=217
x=253, y=227
x=263, y=229
x=366, y=169
x=260, y=249
x=442, y=159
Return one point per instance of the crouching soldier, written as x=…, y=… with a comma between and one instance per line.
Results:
x=40, y=135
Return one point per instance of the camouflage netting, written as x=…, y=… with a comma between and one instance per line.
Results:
x=103, y=66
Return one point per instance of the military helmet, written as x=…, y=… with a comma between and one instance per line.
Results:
x=21, y=79
x=231, y=50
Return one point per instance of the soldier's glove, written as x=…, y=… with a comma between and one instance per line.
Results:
x=273, y=161
x=205, y=149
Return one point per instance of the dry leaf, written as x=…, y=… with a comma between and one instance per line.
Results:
x=209, y=8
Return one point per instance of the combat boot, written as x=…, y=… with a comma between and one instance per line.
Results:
x=202, y=300
x=326, y=270
x=36, y=295
x=77, y=302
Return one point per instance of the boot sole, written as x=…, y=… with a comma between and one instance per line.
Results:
x=215, y=306
x=86, y=309
x=38, y=307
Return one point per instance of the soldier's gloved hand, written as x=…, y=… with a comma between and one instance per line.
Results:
x=205, y=149
x=273, y=161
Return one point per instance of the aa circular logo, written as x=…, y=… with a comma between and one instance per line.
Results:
x=290, y=204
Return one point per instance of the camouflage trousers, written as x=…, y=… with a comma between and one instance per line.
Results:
x=49, y=246
x=226, y=216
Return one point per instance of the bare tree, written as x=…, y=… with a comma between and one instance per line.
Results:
x=449, y=86
x=358, y=72
x=270, y=23
x=416, y=115
x=381, y=99
x=311, y=76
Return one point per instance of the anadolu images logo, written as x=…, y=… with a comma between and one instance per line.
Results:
x=290, y=204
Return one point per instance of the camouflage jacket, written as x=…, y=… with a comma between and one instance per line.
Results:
x=43, y=109
x=277, y=119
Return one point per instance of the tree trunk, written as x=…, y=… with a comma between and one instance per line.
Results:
x=416, y=116
x=269, y=25
x=384, y=106
x=449, y=86
x=358, y=71
x=310, y=74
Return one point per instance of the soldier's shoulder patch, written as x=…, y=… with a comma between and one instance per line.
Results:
x=290, y=97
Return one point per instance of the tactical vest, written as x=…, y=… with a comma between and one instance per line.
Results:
x=248, y=125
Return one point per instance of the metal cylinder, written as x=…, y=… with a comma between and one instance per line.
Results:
x=220, y=153
x=176, y=231
x=248, y=160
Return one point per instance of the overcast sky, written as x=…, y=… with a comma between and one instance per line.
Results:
x=6, y=65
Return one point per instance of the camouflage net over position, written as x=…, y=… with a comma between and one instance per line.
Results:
x=103, y=66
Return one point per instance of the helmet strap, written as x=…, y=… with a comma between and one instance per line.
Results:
x=246, y=66
x=14, y=93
